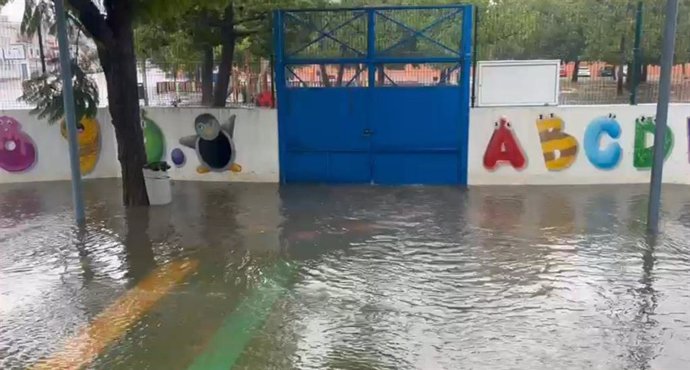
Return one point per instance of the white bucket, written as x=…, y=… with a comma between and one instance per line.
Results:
x=158, y=187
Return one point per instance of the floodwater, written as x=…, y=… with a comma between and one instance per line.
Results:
x=315, y=277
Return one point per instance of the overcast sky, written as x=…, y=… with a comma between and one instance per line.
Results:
x=14, y=10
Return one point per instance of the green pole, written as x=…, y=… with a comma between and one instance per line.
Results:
x=637, y=55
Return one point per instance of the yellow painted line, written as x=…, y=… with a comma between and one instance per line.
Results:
x=117, y=318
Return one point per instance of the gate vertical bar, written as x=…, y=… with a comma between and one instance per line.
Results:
x=467, y=21
x=371, y=67
x=475, y=55
x=371, y=46
x=279, y=47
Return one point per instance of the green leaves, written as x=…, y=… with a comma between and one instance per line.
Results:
x=45, y=92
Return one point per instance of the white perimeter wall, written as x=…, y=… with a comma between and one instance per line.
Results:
x=255, y=137
x=52, y=159
x=256, y=141
x=576, y=119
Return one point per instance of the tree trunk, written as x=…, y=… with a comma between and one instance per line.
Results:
x=576, y=71
x=628, y=77
x=339, y=76
x=119, y=66
x=645, y=73
x=325, y=81
x=207, y=77
x=380, y=75
x=619, y=87
x=228, y=36
x=40, y=49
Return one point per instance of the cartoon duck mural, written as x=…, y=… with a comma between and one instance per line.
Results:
x=154, y=140
x=17, y=150
x=213, y=144
x=89, y=138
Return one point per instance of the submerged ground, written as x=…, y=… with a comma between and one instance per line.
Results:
x=250, y=276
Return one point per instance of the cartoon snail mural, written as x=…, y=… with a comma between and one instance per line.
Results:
x=213, y=144
x=17, y=149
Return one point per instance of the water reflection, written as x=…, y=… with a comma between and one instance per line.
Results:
x=413, y=278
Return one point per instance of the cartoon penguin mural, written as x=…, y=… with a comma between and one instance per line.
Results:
x=154, y=140
x=213, y=143
x=89, y=138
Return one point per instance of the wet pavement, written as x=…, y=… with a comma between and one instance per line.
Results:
x=256, y=276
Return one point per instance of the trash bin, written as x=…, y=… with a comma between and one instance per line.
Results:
x=157, y=187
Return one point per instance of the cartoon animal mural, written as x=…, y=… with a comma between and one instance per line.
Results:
x=603, y=158
x=559, y=148
x=154, y=140
x=643, y=154
x=213, y=144
x=504, y=147
x=89, y=138
x=17, y=149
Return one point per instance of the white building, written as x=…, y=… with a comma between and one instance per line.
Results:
x=20, y=55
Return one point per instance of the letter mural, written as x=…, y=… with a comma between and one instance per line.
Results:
x=644, y=154
x=17, y=150
x=504, y=147
x=603, y=158
x=560, y=149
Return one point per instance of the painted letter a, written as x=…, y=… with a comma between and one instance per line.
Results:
x=504, y=148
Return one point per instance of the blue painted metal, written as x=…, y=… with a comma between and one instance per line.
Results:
x=377, y=8
x=279, y=44
x=327, y=34
x=373, y=134
x=466, y=42
x=420, y=33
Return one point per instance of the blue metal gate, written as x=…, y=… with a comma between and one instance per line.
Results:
x=374, y=95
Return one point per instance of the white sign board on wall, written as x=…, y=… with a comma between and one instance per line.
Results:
x=518, y=83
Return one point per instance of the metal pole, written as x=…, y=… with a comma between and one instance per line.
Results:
x=637, y=55
x=68, y=102
x=144, y=83
x=668, y=50
x=475, y=55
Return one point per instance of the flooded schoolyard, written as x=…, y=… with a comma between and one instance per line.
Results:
x=258, y=276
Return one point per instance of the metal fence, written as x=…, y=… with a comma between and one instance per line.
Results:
x=159, y=85
x=166, y=85
x=601, y=35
